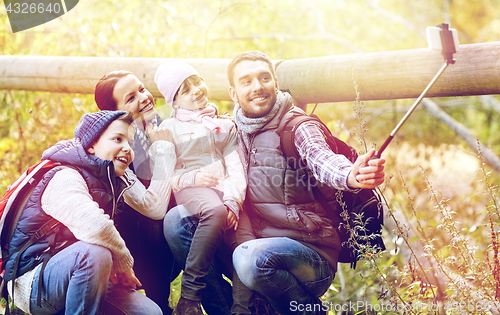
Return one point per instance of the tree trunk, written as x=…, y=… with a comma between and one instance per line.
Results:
x=489, y=156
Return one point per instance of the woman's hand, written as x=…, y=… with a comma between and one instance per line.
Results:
x=367, y=173
x=156, y=133
x=202, y=179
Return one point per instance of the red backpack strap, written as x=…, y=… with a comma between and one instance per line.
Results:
x=11, y=204
x=17, y=196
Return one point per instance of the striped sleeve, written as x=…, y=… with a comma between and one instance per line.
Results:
x=329, y=168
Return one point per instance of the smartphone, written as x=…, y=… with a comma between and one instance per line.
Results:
x=434, y=37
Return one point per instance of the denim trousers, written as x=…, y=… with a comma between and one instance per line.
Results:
x=290, y=274
x=180, y=226
x=76, y=281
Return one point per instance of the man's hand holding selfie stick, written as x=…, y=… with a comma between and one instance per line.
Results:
x=368, y=170
x=367, y=173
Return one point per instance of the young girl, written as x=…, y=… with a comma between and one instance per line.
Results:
x=92, y=274
x=208, y=178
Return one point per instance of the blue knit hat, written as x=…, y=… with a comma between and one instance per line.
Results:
x=92, y=125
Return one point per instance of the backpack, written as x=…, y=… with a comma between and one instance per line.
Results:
x=362, y=223
x=11, y=207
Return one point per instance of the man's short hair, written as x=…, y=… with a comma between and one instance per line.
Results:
x=252, y=55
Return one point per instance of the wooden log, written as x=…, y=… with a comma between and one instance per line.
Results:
x=392, y=74
x=81, y=74
x=379, y=75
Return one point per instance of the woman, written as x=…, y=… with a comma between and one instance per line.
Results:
x=155, y=264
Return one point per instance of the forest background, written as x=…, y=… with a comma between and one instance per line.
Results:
x=442, y=223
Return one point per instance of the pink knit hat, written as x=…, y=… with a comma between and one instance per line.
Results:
x=169, y=77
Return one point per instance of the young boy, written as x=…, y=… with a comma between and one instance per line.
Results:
x=91, y=271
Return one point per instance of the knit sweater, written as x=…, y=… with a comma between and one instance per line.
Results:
x=153, y=201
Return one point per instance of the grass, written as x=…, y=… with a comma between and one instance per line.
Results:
x=442, y=237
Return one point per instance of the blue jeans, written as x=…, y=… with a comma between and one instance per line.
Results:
x=76, y=281
x=291, y=275
x=179, y=227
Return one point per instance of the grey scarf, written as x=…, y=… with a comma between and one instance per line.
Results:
x=248, y=126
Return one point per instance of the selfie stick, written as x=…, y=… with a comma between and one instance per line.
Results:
x=448, y=49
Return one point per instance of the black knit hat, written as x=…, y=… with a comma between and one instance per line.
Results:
x=92, y=125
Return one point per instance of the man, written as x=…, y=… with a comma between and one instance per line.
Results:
x=294, y=257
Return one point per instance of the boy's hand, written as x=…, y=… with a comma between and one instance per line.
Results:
x=113, y=277
x=129, y=279
x=366, y=173
x=232, y=221
x=155, y=133
x=202, y=179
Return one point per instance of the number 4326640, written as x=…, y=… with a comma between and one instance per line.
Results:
x=26, y=8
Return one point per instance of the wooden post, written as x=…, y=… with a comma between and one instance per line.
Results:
x=379, y=76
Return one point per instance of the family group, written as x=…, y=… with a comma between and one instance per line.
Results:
x=141, y=197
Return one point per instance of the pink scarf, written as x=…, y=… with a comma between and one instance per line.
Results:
x=204, y=116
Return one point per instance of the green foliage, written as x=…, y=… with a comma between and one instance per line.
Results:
x=32, y=121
